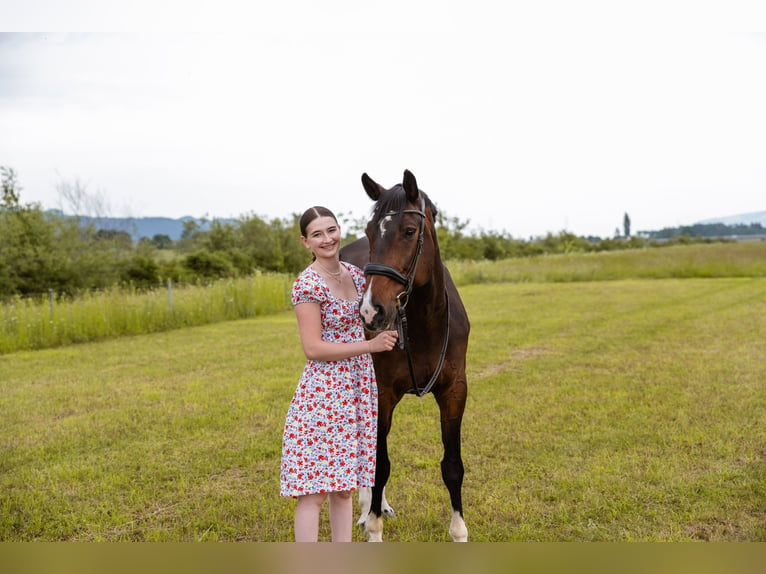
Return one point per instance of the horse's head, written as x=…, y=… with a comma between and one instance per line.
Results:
x=403, y=249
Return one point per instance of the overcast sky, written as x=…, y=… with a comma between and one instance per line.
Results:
x=520, y=117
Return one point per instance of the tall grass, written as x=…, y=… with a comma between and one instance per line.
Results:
x=37, y=323
x=744, y=259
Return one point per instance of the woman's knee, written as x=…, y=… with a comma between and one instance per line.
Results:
x=342, y=495
x=312, y=499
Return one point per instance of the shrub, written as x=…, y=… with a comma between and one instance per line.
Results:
x=209, y=265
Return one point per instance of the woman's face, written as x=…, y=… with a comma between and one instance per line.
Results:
x=323, y=237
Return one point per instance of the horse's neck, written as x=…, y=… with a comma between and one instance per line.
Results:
x=431, y=297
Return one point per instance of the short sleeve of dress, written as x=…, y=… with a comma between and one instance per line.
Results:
x=307, y=289
x=358, y=276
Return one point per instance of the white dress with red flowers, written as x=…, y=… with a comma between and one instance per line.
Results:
x=331, y=426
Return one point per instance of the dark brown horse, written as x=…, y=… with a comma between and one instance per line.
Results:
x=409, y=288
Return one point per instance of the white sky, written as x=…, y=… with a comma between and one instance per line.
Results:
x=522, y=117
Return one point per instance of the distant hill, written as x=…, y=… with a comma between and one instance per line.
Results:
x=741, y=219
x=139, y=227
x=742, y=226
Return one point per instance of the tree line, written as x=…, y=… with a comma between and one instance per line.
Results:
x=45, y=250
x=709, y=230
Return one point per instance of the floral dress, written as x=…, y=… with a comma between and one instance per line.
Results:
x=330, y=434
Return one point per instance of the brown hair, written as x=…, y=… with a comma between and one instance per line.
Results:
x=313, y=213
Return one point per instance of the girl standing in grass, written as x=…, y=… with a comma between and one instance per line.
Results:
x=330, y=435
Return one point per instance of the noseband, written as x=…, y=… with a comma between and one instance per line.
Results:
x=403, y=298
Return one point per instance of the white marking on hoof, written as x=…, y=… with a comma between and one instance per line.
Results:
x=385, y=506
x=365, y=500
x=457, y=529
x=374, y=528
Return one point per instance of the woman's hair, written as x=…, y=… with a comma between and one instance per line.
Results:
x=311, y=214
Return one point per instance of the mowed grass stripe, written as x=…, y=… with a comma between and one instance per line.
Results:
x=631, y=411
x=624, y=410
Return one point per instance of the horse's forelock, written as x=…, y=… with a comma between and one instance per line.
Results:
x=394, y=200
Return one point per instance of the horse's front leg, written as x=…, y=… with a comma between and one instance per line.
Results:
x=373, y=517
x=365, y=502
x=373, y=524
x=451, y=407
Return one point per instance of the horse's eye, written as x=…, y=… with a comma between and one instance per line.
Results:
x=410, y=232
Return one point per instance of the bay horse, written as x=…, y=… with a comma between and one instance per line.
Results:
x=409, y=288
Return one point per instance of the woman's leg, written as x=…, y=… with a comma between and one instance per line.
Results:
x=307, y=517
x=341, y=516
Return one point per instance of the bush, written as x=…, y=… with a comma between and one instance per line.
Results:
x=209, y=265
x=141, y=271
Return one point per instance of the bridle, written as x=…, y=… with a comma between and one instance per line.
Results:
x=403, y=298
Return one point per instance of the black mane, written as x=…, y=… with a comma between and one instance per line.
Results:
x=394, y=200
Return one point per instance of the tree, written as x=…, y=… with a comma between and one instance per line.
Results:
x=161, y=241
x=141, y=271
x=272, y=245
x=449, y=233
x=209, y=265
x=75, y=196
x=40, y=251
x=191, y=236
x=118, y=239
x=11, y=189
x=626, y=225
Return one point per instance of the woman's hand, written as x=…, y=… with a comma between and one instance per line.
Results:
x=383, y=341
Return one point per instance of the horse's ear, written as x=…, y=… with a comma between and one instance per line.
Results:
x=373, y=189
x=410, y=186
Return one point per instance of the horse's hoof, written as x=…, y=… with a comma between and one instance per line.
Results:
x=374, y=527
x=457, y=529
x=388, y=511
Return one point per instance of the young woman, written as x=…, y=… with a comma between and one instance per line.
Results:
x=330, y=435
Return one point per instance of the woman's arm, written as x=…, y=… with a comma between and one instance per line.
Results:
x=310, y=326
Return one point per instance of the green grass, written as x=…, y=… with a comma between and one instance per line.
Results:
x=743, y=259
x=39, y=323
x=634, y=410
x=627, y=410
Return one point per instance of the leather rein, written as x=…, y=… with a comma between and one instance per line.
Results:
x=403, y=298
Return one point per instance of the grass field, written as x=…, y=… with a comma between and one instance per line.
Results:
x=625, y=410
x=742, y=259
x=44, y=322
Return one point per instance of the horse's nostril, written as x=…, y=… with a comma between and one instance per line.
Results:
x=375, y=319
